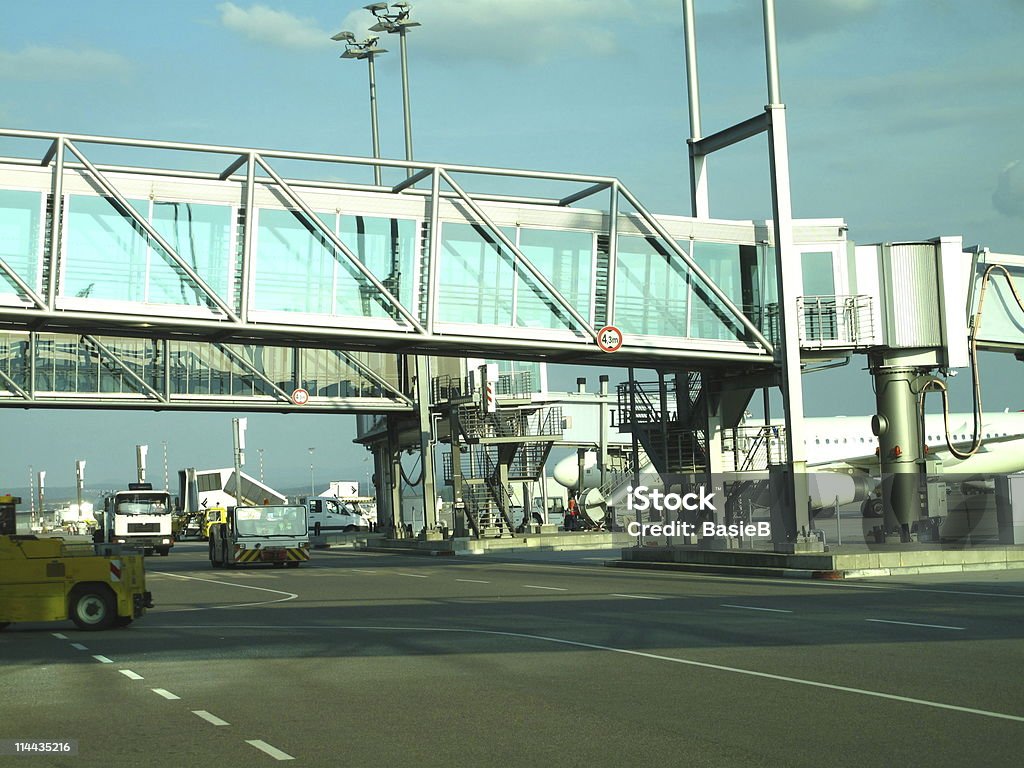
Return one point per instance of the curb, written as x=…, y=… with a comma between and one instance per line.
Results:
x=729, y=570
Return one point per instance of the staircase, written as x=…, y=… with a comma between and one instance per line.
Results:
x=675, y=445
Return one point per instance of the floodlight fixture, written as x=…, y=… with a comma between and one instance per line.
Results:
x=375, y=7
x=345, y=36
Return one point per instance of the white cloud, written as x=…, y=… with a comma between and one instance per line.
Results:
x=265, y=25
x=43, y=63
x=519, y=31
x=796, y=19
x=1009, y=195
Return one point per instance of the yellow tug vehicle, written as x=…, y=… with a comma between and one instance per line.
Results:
x=52, y=580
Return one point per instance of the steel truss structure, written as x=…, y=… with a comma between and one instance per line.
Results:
x=451, y=272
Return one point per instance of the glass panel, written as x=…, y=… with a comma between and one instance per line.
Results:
x=566, y=260
x=820, y=321
x=709, y=318
x=105, y=257
x=476, y=277
x=388, y=248
x=650, y=290
x=19, y=237
x=817, y=271
x=201, y=235
x=294, y=267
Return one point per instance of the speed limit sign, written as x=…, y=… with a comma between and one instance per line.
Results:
x=609, y=339
x=300, y=396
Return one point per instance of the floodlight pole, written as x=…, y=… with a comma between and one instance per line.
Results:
x=406, y=109
x=374, y=133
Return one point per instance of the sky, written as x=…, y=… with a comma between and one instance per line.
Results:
x=904, y=119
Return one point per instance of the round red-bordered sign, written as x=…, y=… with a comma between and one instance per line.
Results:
x=609, y=339
x=300, y=396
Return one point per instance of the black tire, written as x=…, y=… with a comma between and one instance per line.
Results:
x=279, y=565
x=292, y=563
x=92, y=608
x=213, y=561
x=124, y=621
x=872, y=508
x=164, y=551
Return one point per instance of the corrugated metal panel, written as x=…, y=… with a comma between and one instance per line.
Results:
x=912, y=316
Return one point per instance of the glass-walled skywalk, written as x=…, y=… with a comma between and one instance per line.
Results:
x=229, y=246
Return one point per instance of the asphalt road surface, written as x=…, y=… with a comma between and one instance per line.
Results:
x=385, y=660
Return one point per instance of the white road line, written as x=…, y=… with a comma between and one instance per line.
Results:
x=288, y=595
x=752, y=608
x=59, y=636
x=913, y=624
x=411, y=575
x=79, y=647
x=473, y=581
x=640, y=597
x=534, y=586
x=103, y=659
x=130, y=675
x=274, y=752
x=626, y=652
x=165, y=694
x=363, y=570
x=212, y=719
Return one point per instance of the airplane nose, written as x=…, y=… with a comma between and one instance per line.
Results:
x=567, y=472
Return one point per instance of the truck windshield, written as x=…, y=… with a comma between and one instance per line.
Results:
x=270, y=521
x=140, y=504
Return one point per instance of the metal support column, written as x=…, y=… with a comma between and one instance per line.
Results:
x=898, y=427
x=422, y=395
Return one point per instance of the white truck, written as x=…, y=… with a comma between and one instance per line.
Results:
x=272, y=533
x=139, y=517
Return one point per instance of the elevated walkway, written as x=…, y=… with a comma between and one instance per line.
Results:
x=265, y=248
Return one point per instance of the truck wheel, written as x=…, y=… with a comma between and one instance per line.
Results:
x=292, y=563
x=124, y=621
x=164, y=551
x=213, y=559
x=92, y=608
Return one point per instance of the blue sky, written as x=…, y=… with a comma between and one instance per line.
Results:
x=904, y=120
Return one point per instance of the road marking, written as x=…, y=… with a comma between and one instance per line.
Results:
x=473, y=581
x=752, y=608
x=640, y=597
x=626, y=652
x=59, y=636
x=274, y=752
x=411, y=575
x=534, y=586
x=130, y=675
x=289, y=595
x=166, y=694
x=79, y=647
x=913, y=624
x=103, y=659
x=212, y=719
x=363, y=570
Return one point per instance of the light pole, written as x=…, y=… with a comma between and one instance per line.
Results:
x=312, y=489
x=80, y=483
x=392, y=23
x=167, y=482
x=366, y=50
x=260, y=452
